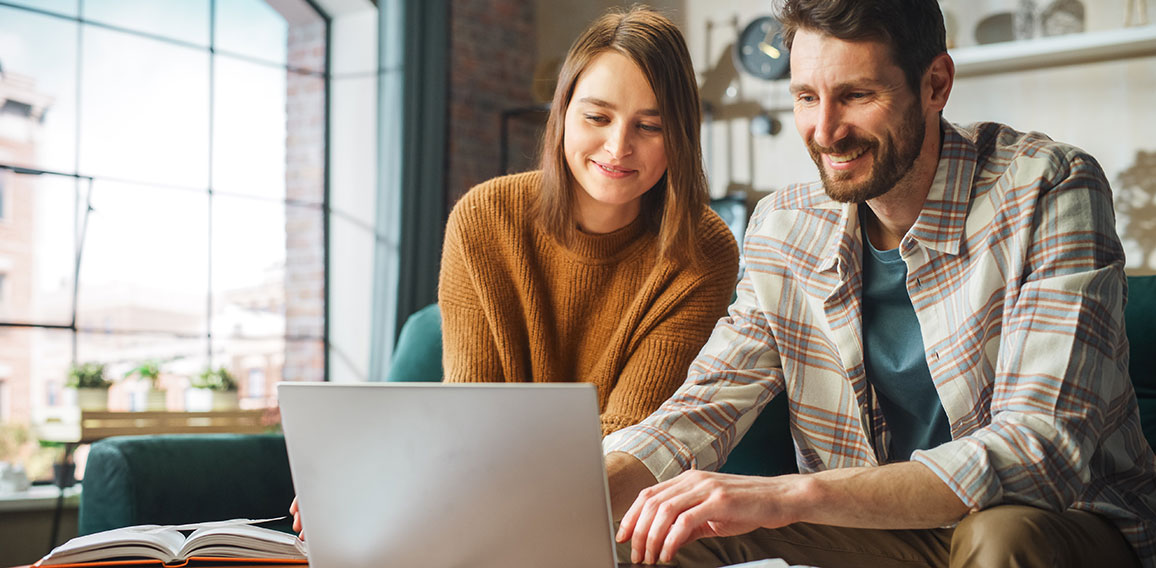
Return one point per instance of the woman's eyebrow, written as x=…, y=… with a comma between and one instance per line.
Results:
x=609, y=105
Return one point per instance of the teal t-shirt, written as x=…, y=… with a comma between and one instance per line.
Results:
x=895, y=359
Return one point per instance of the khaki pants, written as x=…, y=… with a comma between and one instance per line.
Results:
x=1008, y=535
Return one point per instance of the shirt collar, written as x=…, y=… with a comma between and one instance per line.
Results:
x=942, y=222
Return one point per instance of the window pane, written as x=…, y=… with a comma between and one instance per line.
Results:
x=38, y=82
x=145, y=110
x=33, y=368
x=255, y=365
x=144, y=264
x=269, y=133
x=252, y=28
x=268, y=277
x=248, y=267
x=249, y=129
x=182, y=20
x=259, y=364
x=67, y=7
x=37, y=248
x=180, y=358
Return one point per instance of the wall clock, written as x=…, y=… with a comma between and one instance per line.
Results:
x=759, y=49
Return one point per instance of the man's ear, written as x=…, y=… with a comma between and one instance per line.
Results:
x=937, y=82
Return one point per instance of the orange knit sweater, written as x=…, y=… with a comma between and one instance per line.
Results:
x=517, y=306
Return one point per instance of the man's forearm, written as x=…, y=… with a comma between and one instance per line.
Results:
x=626, y=476
x=903, y=495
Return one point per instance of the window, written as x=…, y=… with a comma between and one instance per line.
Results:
x=177, y=149
x=256, y=381
x=5, y=404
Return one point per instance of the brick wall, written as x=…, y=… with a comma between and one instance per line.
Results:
x=493, y=53
x=304, y=181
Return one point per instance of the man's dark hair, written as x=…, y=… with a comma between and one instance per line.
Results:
x=912, y=28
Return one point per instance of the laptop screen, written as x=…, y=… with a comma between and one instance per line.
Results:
x=433, y=474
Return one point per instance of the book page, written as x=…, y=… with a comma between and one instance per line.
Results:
x=145, y=541
x=244, y=541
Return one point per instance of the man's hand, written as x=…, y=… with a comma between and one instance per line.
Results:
x=699, y=504
x=625, y=476
x=296, y=512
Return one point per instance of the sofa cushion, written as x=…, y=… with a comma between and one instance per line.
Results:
x=1140, y=319
x=417, y=357
x=767, y=447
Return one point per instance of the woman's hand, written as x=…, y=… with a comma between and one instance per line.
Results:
x=296, y=512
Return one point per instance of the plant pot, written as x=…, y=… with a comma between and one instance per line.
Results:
x=204, y=400
x=148, y=400
x=88, y=398
x=64, y=474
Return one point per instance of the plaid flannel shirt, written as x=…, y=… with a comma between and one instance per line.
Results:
x=1016, y=275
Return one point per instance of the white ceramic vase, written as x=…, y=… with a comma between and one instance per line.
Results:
x=204, y=400
x=89, y=398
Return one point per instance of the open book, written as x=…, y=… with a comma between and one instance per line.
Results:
x=220, y=541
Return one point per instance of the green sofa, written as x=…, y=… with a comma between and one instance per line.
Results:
x=186, y=478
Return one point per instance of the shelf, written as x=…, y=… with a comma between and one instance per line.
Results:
x=1055, y=51
x=71, y=425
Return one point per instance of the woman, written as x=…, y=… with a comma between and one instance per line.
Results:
x=606, y=266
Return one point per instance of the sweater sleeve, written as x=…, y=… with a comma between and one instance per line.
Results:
x=658, y=366
x=469, y=352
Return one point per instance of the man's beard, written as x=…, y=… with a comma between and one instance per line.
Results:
x=893, y=159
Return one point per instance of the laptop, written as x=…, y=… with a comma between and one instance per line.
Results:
x=449, y=475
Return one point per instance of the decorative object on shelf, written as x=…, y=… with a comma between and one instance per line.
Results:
x=1137, y=9
x=64, y=472
x=995, y=28
x=1088, y=47
x=212, y=389
x=759, y=49
x=88, y=386
x=13, y=479
x=1025, y=20
x=147, y=396
x=765, y=124
x=1063, y=17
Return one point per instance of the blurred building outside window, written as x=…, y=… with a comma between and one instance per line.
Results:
x=177, y=148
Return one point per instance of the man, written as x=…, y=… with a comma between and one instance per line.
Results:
x=945, y=313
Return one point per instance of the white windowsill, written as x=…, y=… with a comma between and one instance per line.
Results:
x=39, y=498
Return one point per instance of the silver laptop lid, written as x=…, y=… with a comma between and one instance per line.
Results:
x=431, y=474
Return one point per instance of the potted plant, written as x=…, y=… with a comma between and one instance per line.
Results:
x=88, y=385
x=147, y=395
x=212, y=389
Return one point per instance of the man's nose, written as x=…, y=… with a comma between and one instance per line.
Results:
x=829, y=125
